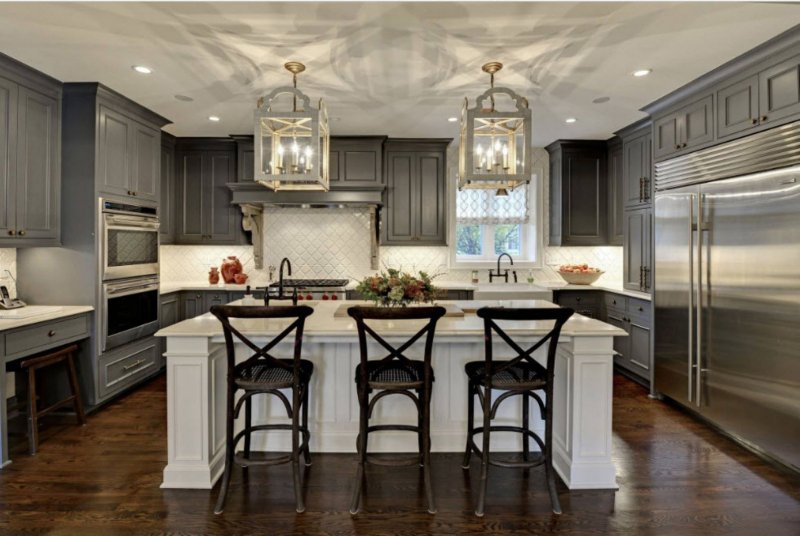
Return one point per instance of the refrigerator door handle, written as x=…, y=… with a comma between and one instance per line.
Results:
x=690, y=357
x=699, y=306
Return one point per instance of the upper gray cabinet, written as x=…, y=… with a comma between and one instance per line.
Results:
x=616, y=193
x=30, y=157
x=637, y=270
x=129, y=155
x=245, y=158
x=578, y=193
x=637, y=167
x=166, y=204
x=356, y=163
x=684, y=130
x=779, y=91
x=204, y=213
x=414, y=211
x=737, y=107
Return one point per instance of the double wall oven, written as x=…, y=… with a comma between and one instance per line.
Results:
x=129, y=267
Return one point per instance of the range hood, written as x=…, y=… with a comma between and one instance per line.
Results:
x=253, y=199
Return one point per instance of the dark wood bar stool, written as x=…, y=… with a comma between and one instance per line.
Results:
x=64, y=355
x=262, y=373
x=521, y=376
x=395, y=374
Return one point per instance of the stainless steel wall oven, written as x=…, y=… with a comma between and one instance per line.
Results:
x=129, y=240
x=129, y=310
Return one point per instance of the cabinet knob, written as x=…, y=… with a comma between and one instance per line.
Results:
x=755, y=121
x=51, y=333
x=614, y=302
x=683, y=145
x=11, y=232
x=678, y=146
x=763, y=118
x=21, y=233
x=640, y=309
x=578, y=299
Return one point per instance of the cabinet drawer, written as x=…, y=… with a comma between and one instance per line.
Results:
x=615, y=301
x=213, y=298
x=578, y=299
x=40, y=337
x=639, y=310
x=125, y=367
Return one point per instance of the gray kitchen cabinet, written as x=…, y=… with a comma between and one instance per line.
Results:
x=578, y=193
x=779, y=91
x=129, y=155
x=128, y=365
x=170, y=312
x=191, y=304
x=212, y=298
x=616, y=193
x=356, y=163
x=414, y=211
x=632, y=353
x=245, y=158
x=686, y=129
x=637, y=272
x=637, y=170
x=30, y=157
x=586, y=303
x=737, y=107
x=166, y=202
x=204, y=213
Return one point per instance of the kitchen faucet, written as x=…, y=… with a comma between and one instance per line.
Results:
x=503, y=274
x=281, y=296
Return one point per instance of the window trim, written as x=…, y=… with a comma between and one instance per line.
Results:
x=532, y=232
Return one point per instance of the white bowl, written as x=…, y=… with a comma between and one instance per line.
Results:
x=580, y=278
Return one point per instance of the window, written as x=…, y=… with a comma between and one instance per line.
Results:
x=488, y=225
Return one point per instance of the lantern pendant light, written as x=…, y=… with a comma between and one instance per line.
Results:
x=292, y=146
x=495, y=148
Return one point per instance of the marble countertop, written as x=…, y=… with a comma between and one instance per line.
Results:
x=323, y=324
x=616, y=289
x=47, y=315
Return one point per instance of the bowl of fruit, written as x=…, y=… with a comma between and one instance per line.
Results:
x=579, y=274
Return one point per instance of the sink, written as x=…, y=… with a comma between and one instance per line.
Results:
x=509, y=291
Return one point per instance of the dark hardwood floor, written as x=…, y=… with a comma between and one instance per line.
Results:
x=676, y=477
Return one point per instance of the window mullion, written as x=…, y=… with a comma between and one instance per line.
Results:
x=488, y=241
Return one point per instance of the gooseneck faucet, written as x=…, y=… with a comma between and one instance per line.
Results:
x=503, y=274
x=288, y=264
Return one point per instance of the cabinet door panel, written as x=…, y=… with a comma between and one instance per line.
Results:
x=621, y=344
x=634, y=253
x=616, y=196
x=430, y=200
x=737, y=107
x=146, y=161
x=169, y=310
x=219, y=170
x=400, y=206
x=190, y=213
x=585, y=190
x=779, y=90
x=666, y=136
x=333, y=163
x=113, y=157
x=8, y=156
x=246, y=160
x=166, y=203
x=697, y=127
x=636, y=170
x=38, y=209
x=192, y=304
x=639, y=335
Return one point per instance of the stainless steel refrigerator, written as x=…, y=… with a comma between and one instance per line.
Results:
x=727, y=288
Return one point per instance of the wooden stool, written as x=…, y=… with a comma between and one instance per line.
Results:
x=33, y=364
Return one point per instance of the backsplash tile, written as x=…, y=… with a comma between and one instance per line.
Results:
x=336, y=243
x=8, y=261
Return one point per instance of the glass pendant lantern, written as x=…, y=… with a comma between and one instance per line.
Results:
x=495, y=148
x=292, y=139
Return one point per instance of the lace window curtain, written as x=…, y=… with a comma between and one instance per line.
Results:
x=485, y=207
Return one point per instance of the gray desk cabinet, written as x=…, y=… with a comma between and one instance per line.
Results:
x=30, y=157
x=414, y=211
x=204, y=214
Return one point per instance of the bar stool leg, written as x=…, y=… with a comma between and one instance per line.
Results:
x=248, y=423
x=229, y=446
x=298, y=490
x=526, y=409
x=426, y=448
x=307, y=434
x=548, y=456
x=363, y=405
x=33, y=413
x=420, y=426
x=487, y=422
x=470, y=424
x=76, y=391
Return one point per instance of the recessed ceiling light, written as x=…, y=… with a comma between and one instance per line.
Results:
x=601, y=100
x=184, y=98
x=213, y=118
x=141, y=69
x=452, y=119
x=570, y=120
x=642, y=72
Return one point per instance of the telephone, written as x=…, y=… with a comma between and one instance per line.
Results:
x=6, y=302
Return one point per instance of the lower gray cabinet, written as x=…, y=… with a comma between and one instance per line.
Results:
x=128, y=365
x=191, y=304
x=212, y=298
x=170, y=309
x=633, y=316
x=586, y=303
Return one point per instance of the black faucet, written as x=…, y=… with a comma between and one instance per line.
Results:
x=281, y=296
x=503, y=274
x=288, y=264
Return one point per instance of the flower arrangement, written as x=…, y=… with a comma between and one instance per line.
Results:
x=395, y=288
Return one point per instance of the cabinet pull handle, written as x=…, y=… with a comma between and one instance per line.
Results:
x=763, y=118
x=134, y=365
x=21, y=233
x=51, y=333
x=641, y=188
x=641, y=277
x=683, y=145
x=11, y=232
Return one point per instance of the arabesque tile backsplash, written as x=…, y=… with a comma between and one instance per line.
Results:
x=336, y=243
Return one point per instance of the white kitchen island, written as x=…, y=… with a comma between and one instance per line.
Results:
x=196, y=373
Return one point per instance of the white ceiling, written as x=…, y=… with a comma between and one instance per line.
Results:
x=392, y=68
